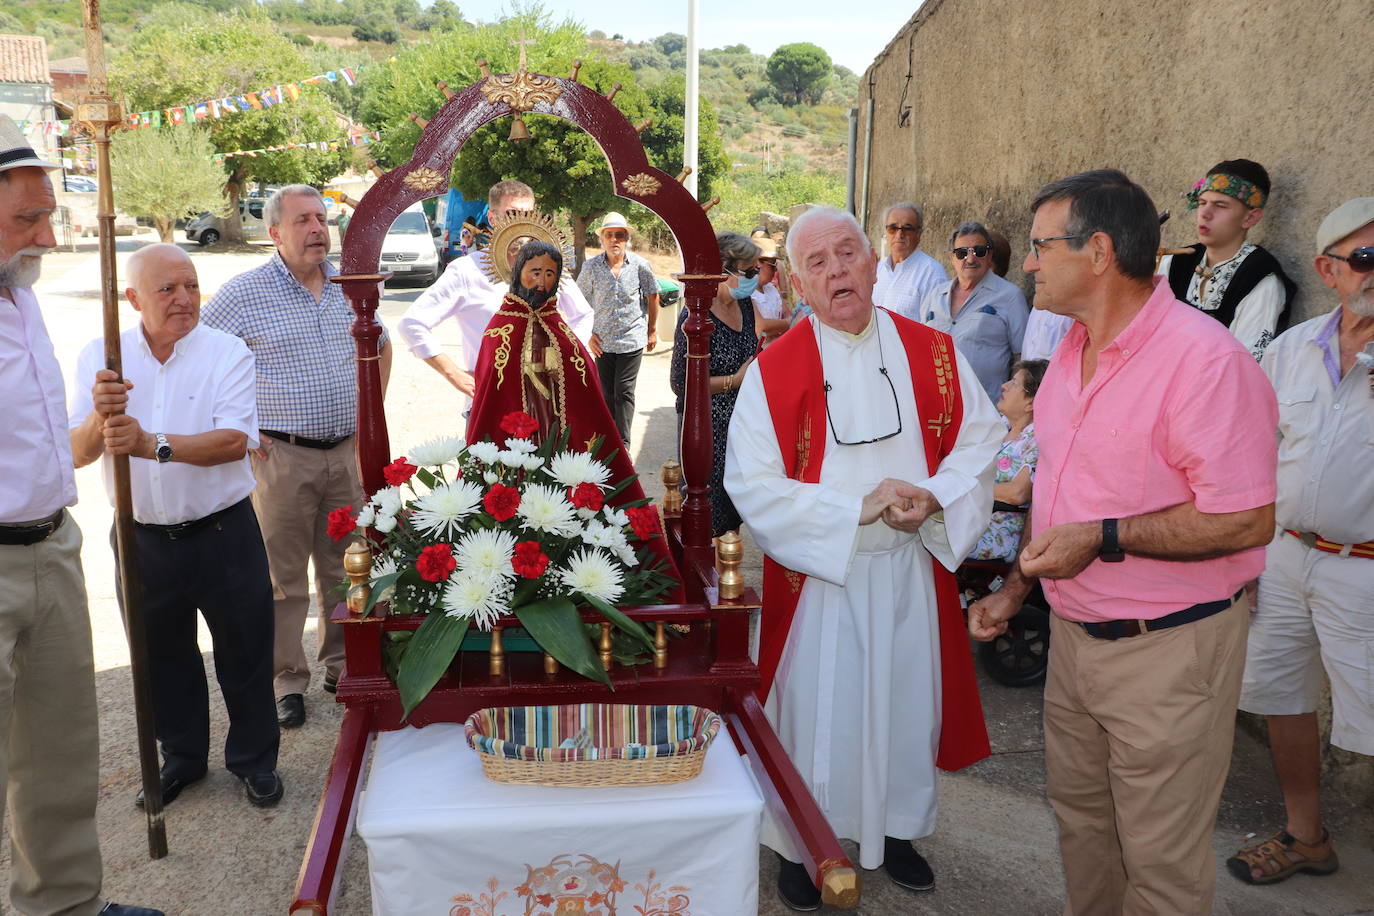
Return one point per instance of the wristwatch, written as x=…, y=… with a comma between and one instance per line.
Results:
x=164, y=449
x=1110, y=551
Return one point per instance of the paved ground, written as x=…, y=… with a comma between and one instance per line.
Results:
x=994, y=852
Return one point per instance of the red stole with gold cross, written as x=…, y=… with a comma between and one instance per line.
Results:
x=793, y=380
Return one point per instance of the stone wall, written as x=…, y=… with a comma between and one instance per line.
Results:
x=978, y=103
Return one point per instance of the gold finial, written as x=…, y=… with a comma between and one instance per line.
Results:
x=615, y=88
x=374, y=168
x=606, y=654
x=671, y=475
x=448, y=93
x=550, y=664
x=660, y=646
x=729, y=551
x=840, y=886
x=418, y=120
x=682, y=175
x=358, y=566
x=644, y=125
x=710, y=203
x=496, y=655
x=577, y=65
x=482, y=65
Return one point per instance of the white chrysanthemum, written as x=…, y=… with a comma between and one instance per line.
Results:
x=594, y=574
x=573, y=468
x=441, y=511
x=388, y=501
x=600, y=535
x=586, y=514
x=486, y=553
x=533, y=462
x=385, y=523
x=511, y=459
x=436, y=451
x=490, y=477
x=384, y=565
x=480, y=597
x=523, y=446
x=615, y=516
x=367, y=515
x=626, y=553
x=484, y=452
x=545, y=509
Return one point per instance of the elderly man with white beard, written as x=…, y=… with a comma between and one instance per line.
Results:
x=1316, y=596
x=860, y=455
x=49, y=736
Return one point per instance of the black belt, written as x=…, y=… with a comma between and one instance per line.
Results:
x=1120, y=629
x=186, y=529
x=292, y=438
x=28, y=535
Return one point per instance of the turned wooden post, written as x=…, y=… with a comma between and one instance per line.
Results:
x=496, y=655
x=729, y=551
x=358, y=565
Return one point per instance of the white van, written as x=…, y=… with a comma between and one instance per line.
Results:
x=408, y=251
x=207, y=229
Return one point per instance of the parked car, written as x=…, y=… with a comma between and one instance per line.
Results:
x=409, y=251
x=208, y=229
x=80, y=183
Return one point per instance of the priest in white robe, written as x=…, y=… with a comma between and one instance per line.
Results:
x=467, y=294
x=829, y=460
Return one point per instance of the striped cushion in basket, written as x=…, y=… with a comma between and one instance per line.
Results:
x=616, y=731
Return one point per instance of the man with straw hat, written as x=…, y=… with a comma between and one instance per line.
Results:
x=49, y=767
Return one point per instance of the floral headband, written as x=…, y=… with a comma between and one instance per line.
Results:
x=1242, y=190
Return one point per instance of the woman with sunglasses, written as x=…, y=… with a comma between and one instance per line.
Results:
x=984, y=314
x=734, y=343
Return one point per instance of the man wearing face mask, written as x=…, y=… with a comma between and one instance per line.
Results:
x=985, y=314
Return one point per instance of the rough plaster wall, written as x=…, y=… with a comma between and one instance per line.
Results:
x=1008, y=95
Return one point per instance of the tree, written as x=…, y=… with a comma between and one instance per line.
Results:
x=227, y=56
x=165, y=174
x=800, y=70
x=670, y=42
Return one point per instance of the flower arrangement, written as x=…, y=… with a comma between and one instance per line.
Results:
x=469, y=533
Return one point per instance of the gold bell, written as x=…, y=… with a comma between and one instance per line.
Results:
x=518, y=130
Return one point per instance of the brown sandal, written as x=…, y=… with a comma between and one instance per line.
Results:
x=1282, y=856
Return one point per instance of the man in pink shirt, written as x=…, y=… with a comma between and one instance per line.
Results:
x=1153, y=499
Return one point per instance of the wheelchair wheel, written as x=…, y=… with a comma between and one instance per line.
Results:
x=1020, y=656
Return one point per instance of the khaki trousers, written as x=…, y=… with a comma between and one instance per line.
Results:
x=49, y=737
x=1138, y=739
x=297, y=489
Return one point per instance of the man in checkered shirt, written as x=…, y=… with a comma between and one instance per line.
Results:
x=297, y=324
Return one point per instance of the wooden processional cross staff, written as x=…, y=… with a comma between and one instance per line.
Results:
x=101, y=115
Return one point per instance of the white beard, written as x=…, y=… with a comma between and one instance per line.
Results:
x=1362, y=303
x=23, y=269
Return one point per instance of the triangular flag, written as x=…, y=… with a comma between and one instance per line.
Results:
x=201, y=111
x=253, y=101
x=293, y=90
x=177, y=115
x=348, y=77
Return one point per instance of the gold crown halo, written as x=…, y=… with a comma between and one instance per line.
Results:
x=514, y=224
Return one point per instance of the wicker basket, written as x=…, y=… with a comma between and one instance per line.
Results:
x=631, y=745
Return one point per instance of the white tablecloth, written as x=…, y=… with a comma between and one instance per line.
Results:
x=441, y=837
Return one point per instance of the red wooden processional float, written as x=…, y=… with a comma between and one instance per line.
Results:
x=710, y=665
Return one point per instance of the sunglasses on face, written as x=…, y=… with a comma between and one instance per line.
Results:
x=1361, y=260
x=979, y=251
x=618, y=235
x=747, y=273
x=893, y=229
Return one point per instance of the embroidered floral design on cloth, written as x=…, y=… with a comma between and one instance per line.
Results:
x=583, y=885
x=1231, y=186
x=1208, y=284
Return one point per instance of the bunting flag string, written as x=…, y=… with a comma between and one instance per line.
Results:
x=319, y=145
x=198, y=112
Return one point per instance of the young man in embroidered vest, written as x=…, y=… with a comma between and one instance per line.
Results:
x=860, y=455
x=1227, y=276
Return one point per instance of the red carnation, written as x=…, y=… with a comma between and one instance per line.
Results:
x=501, y=501
x=398, y=471
x=586, y=496
x=644, y=521
x=435, y=563
x=342, y=521
x=519, y=424
x=529, y=560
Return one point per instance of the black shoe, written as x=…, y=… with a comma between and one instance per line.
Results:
x=291, y=711
x=172, y=784
x=905, y=866
x=263, y=789
x=120, y=909
x=795, y=887
x=331, y=683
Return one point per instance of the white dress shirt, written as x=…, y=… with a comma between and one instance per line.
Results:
x=466, y=293
x=768, y=301
x=902, y=288
x=1044, y=330
x=1326, y=434
x=35, y=452
x=208, y=383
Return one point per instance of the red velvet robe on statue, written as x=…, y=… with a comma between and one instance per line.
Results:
x=532, y=362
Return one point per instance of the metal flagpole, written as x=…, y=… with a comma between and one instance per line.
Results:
x=101, y=115
x=690, y=123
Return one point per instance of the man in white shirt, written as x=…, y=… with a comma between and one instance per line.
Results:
x=1227, y=276
x=907, y=275
x=860, y=455
x=466, y=294
x=49, y=735
x=186, y=415
x=1316, y=596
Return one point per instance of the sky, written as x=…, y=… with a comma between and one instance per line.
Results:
x=850, y=40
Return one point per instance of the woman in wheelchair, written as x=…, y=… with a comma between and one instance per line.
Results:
x=1016, y=459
